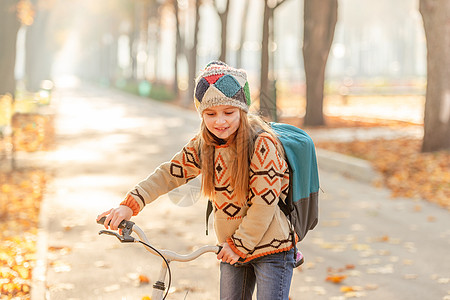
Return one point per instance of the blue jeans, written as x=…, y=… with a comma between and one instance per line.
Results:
x=272, y=275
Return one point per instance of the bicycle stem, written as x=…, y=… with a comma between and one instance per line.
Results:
x=159, y=286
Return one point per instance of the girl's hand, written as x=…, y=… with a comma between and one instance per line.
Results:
x=227, y=254
x=116, y=215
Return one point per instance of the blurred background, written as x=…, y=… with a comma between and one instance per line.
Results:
x=326, y=66
x=134, y=45
x=299, y=54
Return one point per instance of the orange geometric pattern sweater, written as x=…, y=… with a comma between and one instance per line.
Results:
x=254, y=229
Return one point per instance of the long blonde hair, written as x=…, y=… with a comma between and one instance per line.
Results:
x=242, y=145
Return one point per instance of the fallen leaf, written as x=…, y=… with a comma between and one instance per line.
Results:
x=360, y=247
x=335, y=278
x=407, y=262
x=368, y=262
x=371, y=286
x=60, y=266
x=143, y=279
x=349, y=267
x=443, y=280
x=384, y=238
x=410, y=276
x=331, y=223
x=346, y=289
x=61, y=287
x=388, y=269
x=431, y=219
x=354, y=295
x=60, y=249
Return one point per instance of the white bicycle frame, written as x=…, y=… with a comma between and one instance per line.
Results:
x=160, y=285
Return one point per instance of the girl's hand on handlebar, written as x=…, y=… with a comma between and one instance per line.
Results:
x=115, y=216
x=227, y=254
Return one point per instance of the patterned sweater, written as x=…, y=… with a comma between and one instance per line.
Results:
x=254, y=229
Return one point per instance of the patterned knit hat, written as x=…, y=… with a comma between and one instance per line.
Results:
x=220, y=84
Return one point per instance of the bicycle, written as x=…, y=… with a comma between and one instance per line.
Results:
x=128, y=227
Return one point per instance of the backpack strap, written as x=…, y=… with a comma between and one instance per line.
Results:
x=209, y=210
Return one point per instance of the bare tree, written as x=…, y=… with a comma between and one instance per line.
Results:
x=144, y=17
x=320, y=19
x=9, y=26
x=243, y=34
x=192, y=55
x=267, y=106
x=436, y=20
x=39, y=46
x=223, y=15
x=178, y=46
x=155, y=24
x=134, y=37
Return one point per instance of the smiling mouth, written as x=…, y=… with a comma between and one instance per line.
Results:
x=221, y=129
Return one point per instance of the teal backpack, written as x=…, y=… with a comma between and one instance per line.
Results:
x=302, y=202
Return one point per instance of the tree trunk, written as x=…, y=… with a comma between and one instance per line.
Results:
x=192, y=57
x=436, y=19
x=178, y=43
x=39, y=52
x=154, y=42
x=144, y=18
x=265, y=102
x=224, y=23
x=134, y=40
x=9, y=26
x=320, y=19
x=243, y=34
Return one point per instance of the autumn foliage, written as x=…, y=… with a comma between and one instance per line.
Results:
x=32, y=132
x=406, y=171
x=21, y=192
x=20, y=198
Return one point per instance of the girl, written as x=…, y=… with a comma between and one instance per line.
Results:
x=244, y=175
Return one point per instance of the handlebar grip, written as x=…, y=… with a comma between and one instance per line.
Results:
x=122, y=224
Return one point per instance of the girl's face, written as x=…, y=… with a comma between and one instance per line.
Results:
x=222, y=120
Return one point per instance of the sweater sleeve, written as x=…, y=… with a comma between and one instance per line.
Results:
x=131, y=203
x=183, y=167
x=267, y=169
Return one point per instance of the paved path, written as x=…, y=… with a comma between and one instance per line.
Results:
x=107, y=141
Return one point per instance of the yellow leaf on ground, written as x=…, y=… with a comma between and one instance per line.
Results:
x=346, y=289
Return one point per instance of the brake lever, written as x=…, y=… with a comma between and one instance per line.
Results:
x=124, y=238
x=127, y=228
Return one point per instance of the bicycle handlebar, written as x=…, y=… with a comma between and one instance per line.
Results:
x=128, y=227
x=123, y=224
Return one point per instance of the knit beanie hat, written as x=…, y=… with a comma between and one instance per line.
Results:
x=220, y=84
